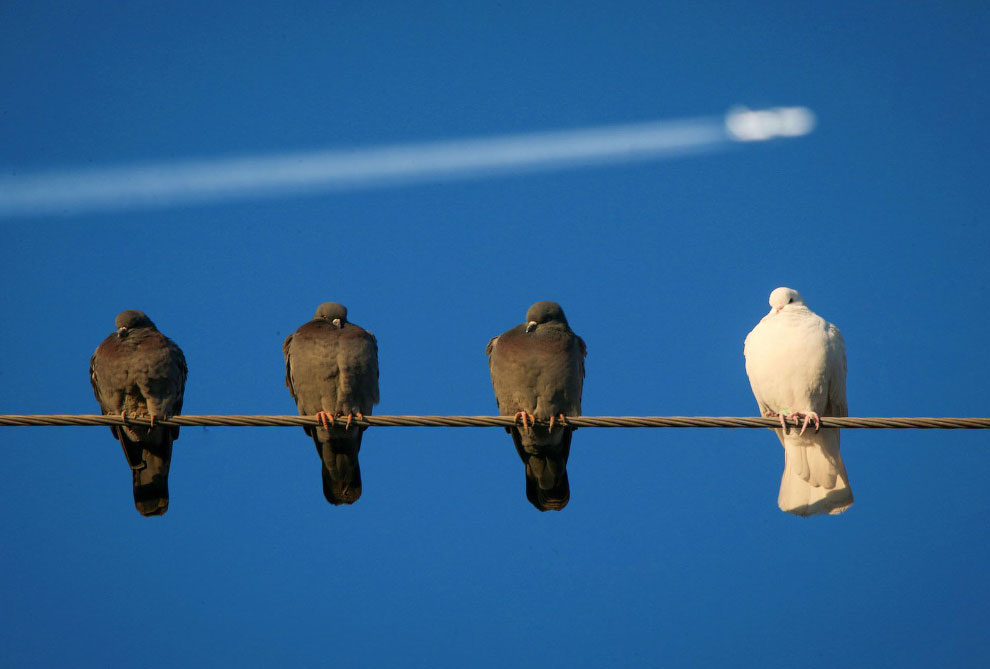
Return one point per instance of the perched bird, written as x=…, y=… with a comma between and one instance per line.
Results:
x=796, y=363
x=537, y=372
x=138, y=371
x=331, y=369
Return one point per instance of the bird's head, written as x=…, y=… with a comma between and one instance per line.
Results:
x=782, y=297
x=130, y=320
x=333, y=313
x=544, y=312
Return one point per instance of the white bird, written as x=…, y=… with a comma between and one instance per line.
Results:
x=796, y=363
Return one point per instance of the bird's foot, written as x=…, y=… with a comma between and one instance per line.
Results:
x=806, y=418
x=561, y=418
x=160, y=417
x=351, y=416
x=524, y=416
x=133, y=414
x=324, y=419
x=774, y=414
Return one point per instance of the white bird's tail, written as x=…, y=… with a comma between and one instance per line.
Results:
x=814, y=480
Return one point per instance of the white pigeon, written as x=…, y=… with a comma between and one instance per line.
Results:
x=796, y=363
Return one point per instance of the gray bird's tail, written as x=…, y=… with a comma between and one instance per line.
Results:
x=341, y=470
x=547, y=487
x=149, y=462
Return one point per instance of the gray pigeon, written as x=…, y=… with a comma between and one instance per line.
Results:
x=138, y=371
x=796, y=363
x=331, y=369
x=537, y=372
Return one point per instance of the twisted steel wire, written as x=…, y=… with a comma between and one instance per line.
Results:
x=44, y=420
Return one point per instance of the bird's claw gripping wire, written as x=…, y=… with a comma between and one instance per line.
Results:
x=806, y=418
x=351, y=416
x=328, y=421
x=561, y=418
x=324, y=419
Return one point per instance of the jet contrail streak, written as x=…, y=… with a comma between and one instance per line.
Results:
x=166, y=184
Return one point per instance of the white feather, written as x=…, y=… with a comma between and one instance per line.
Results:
x=796, y=362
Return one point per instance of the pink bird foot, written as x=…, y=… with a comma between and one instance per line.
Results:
x=352, y=416
x=774, y=414
x=523, y=416
x=806, y=418
x=324, y=419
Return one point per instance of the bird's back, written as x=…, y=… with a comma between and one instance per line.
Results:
x=787, y=362
x=331, y=369
x=142, y=373
x=541, y=372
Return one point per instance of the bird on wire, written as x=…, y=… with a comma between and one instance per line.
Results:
x=137, y=371
x=537, y=371
x=796, y=363
x=331, y=370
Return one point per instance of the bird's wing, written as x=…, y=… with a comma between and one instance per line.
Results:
x=835, y=361
x=287, y=353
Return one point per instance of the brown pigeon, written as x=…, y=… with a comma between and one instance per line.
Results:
x=537, y=372
x=138, y=371
x=331, y=369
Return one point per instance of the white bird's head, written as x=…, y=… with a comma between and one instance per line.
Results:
x=781, y=297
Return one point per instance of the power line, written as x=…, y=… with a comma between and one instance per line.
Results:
x=47, y=420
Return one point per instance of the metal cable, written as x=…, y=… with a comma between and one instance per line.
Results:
x=496, y=421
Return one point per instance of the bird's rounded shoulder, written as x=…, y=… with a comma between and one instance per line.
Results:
x=833, y=331
x=492, y=343
x=352, y=331
x=314, y=329
x=156, y=338
x=515, y=339
x=581, y=346
x=178, y=356
x=105, y=347
x=152, y=341
x=836, y=342
x=508, y=339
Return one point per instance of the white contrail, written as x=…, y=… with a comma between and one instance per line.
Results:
x=160, y=185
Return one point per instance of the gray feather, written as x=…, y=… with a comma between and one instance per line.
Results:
x=139, y=371
x=331, y=365
x=538, y=367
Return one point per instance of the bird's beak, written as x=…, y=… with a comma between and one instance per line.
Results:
x=531, y=326
x=121, y=331
x=336, y=323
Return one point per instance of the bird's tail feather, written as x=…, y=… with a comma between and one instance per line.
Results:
x=341, y=470
x=547, y=487
x=149, y=465
x=814, y=480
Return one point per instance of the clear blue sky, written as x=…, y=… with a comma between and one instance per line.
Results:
x=672, y=550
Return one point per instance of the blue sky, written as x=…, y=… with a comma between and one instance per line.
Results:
x=672, y=550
